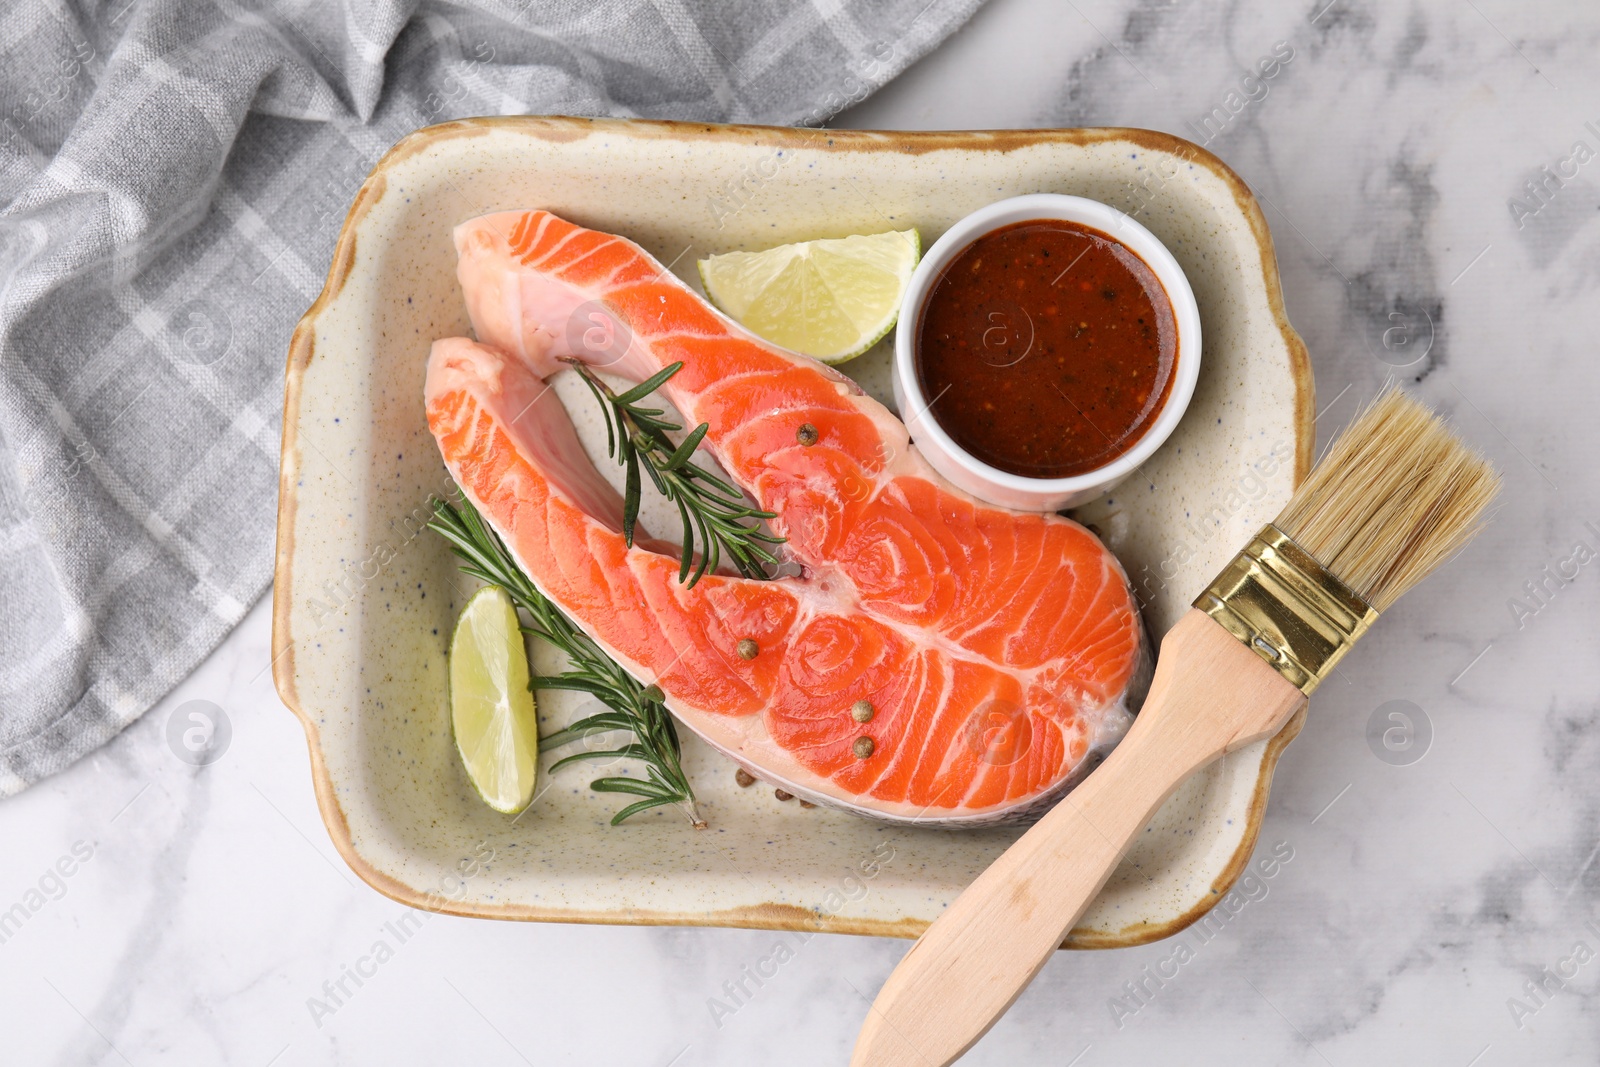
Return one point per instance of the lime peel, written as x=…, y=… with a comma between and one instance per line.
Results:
x=492, y=713
x=832, y=299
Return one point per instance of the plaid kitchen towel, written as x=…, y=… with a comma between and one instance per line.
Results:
x=172, y=177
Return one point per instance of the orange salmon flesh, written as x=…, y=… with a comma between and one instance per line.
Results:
x=1001, y=651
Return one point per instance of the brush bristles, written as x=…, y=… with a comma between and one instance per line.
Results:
x=1397, y=495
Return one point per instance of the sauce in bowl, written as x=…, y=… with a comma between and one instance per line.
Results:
x=1047, y=348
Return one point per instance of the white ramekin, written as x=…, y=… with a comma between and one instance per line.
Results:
x=1015, y=490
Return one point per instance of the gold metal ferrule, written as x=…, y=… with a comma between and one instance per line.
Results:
x=1287, y=608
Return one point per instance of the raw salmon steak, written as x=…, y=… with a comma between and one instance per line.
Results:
x=1000, y=652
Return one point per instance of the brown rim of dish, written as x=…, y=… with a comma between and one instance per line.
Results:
x=562, y=129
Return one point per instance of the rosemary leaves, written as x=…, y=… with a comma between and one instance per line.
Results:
x=715, y=515
x=631, y=707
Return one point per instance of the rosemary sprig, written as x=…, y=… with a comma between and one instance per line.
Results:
x=631, y=707
x=714, y=513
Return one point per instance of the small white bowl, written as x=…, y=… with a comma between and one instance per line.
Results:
x=1015, y=490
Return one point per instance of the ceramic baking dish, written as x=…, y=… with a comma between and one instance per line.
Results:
x=365, y=599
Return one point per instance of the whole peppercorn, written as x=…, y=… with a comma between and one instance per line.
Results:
x=748, y=649
x=806, y=435
x=863, y=747
x=862, y=711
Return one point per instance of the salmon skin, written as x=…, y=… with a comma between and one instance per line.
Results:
x=1000, y=652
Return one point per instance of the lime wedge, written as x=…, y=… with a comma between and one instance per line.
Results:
x=491, y=707
x=830, y=299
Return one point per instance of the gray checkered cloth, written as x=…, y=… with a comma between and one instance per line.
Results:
x=172, y=178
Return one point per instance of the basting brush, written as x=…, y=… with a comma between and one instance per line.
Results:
x=1396, y=496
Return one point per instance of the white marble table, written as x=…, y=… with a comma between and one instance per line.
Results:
x=1424, y=902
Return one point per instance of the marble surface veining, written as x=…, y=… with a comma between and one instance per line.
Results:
x=1426, y=888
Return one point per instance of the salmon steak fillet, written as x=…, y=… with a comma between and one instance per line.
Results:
x=1000, y=652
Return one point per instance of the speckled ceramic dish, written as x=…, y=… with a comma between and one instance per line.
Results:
x=365, y=599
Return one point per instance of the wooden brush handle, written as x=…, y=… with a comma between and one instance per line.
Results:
x=1210, y=696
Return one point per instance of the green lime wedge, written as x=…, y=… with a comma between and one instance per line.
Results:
x=830, y=299
x=491, y=706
